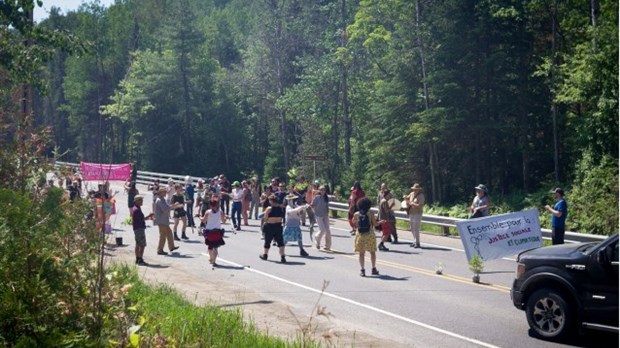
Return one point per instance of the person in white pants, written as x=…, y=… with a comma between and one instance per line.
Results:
x=320, y=205
x=415, y=208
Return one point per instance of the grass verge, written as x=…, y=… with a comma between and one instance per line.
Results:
x=161, y=317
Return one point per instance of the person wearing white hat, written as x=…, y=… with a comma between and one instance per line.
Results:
x=415, y=209
x=139, y=228
x=292, y=229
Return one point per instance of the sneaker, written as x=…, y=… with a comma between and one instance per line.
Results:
x=318, y=247
x=283, y=259
x=214, y=264
x=395, y=241
x=362, y=272
x=184, y=237
x=375, y=271
x=173, y=249
x=414, y=245
x=383, y=248
x=141, y=263
x=177, y=238
x=352, y=232
x=303, y=253
x=327, y=249
x=162, y=253
x=263, y=257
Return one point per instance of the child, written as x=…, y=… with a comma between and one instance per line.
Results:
x=213, y=232
x=292, y=230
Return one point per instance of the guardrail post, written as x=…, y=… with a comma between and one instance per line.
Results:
x=445, y=229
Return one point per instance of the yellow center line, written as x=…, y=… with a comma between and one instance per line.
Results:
x=431, y=273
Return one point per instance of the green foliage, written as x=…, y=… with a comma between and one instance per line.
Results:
x=161, y=315
x=593, y=199
x=476, y=264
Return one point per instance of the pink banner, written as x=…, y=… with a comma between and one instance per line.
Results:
x=105, y=172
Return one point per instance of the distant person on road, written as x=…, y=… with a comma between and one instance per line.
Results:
x=415, y=208
x=384, y=193
x=189, y=201
x=179, y=214
x=237, y=196
x=254, y=203
x=386, y=222
x=480, y=206
x=320, y=204
x=292, y=229
x=364, y=222
x=558, y=216
x=225, y=190
x=246, y=199
x=162, y=220
x=213, y=231
x=356, y=194
x=273, y=228
x=139, y=227
x=170, y=190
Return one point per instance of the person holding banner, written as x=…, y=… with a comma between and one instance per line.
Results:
x=558, y=216
x=162, y=220
x=415, y=208
x=481, y=203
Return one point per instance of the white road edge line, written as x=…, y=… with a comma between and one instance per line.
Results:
x=375, y=309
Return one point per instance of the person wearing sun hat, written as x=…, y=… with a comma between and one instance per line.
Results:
x=558, y=216
x=139, y=227
x=162, y=220
x=415, y=201
x=292, y=229
x=481, y=203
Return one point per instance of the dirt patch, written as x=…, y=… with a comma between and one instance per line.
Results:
x=272, y=317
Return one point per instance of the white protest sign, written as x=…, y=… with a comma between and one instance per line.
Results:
x=498, y=236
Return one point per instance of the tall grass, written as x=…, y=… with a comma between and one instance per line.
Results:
x=162, y=317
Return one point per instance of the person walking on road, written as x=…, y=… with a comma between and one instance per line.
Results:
x=558, y=216
x=189, y=201
x=178, y=200
x=292, y=229
x=246, y=199
x=320, y=204
x=364, y=222
x=254, y=203
x=162, y=220
x=139, y=227
x=273, y=228
x=415, y=208
x=236, y=196
x=213, y=231
x=356, y=194
x=481, y=204
x=225, y=190
x=386, y=222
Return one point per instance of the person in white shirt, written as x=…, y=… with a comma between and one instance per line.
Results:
x=292, y=229
x=236, y=195
x=213, y=232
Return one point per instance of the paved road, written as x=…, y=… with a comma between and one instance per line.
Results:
x=407, y=305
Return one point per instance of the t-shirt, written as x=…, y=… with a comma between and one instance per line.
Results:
x=320, y=206
x=189, y=192
x=562, y=207
x=137, y=218
x=293, y=216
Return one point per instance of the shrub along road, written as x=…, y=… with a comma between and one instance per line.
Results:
x=408, y=304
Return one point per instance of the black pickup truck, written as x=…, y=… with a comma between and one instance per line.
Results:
x=567, y=287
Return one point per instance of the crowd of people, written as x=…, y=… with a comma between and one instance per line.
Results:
x=281, y=210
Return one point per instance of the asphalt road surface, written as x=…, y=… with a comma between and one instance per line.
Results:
x=407, y=305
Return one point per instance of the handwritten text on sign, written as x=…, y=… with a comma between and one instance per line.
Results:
x=498, y=236
x=105, y=172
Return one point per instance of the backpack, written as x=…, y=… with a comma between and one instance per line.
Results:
x=363, y=222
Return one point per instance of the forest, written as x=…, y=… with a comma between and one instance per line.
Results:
x=519, y=95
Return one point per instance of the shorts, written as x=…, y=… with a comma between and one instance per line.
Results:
x=179, y=213
x=140, y=237
x=273, y=232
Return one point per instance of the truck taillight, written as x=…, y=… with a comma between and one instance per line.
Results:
x=520, y=270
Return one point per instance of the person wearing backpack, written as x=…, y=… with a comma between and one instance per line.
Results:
x=364, y=222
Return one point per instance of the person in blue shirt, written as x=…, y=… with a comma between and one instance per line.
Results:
x=558, y=216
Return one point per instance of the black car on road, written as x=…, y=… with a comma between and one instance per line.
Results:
x=566, y=287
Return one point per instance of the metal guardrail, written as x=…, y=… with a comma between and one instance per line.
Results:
x=147, y=178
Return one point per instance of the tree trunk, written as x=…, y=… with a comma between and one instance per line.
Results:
x=554, y=111
x=348, y=127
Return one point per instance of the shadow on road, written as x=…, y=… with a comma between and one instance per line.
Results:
x=153, y=265
x=228, y=267
x=589, y=339
x=244, y=303
x=401, y=252
x=389, y=277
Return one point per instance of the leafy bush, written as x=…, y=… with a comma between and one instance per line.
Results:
x=593, y=199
